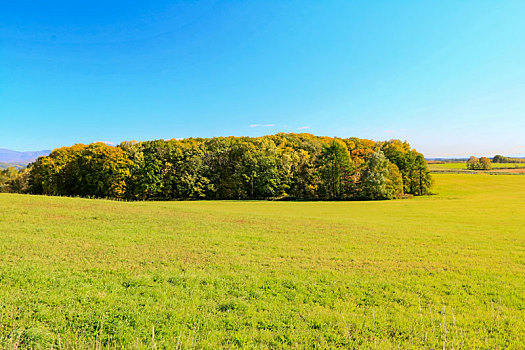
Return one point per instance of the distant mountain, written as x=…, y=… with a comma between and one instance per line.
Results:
x=9, y=156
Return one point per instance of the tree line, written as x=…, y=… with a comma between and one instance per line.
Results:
x=294, y=166
x=502, y=159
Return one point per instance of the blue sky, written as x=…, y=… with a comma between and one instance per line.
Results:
x=448, y=76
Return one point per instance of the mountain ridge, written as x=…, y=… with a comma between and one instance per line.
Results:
x=10, y=156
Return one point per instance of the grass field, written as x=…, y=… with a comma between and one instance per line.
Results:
x=445, y=271
x=462, y=165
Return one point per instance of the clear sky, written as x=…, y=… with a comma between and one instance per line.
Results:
x=448, y=76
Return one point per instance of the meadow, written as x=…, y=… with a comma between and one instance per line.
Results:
x=463, y=166
x=442, y=271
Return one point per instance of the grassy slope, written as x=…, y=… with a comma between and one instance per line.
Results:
x=445, y=270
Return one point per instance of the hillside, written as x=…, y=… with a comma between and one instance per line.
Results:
x=10, y=156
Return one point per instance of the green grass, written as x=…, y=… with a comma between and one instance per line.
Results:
x=463, y=165
x=443, y=271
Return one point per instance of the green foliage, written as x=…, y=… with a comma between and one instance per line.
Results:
x=394, y=182
x=502, y=159
x=335, y=169
x=381, y=179
x=275, y=166
x=430, y=273
x=417, y=180
x=420, y=179
x=374, y=177
x=13, y=180
x=7, y=175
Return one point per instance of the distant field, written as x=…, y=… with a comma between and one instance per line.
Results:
x=458, y=166
x=15, y=165
x=444, y=271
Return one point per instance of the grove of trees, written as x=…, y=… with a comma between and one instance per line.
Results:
x=483, y=163
x=295, y=166
x=502, y=159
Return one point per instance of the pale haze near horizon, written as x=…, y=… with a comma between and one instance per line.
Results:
x=448, y=76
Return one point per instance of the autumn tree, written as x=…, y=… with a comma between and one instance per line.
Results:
x=98, y=170
x=46, y=176
x=473, y=163
x=485, y=163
